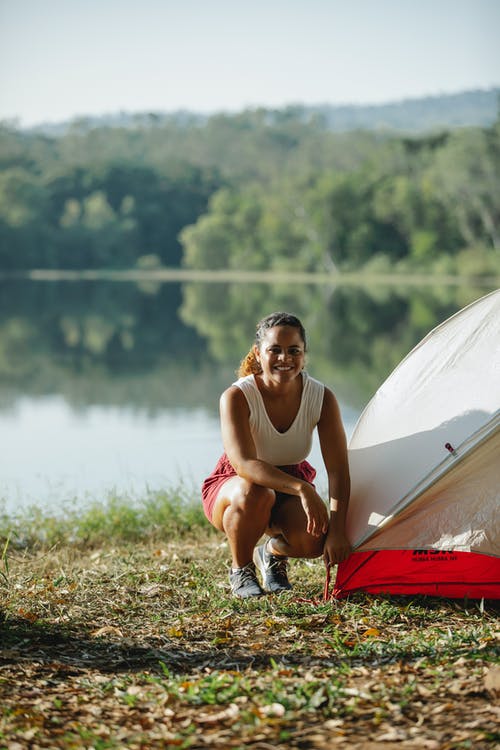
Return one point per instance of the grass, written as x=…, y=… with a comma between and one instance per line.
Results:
x=118, y=519
x=118, y=631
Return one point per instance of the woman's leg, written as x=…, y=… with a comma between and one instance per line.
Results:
x=288, y=530
x=242, y=511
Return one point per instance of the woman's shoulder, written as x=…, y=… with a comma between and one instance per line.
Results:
x=244, y=380
x=234, y=394
x=233, y=404
x=246, y=385
x=312, y=383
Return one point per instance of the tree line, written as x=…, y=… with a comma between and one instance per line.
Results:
x=258, y=190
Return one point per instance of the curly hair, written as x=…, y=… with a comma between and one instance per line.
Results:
x=249, y=364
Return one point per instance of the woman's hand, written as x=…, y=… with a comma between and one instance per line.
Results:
x=337, y=547
x=315, y=510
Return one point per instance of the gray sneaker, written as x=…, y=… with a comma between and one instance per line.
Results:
x=244, y=583
x=273, y=569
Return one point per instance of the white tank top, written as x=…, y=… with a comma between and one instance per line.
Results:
x=294, y=445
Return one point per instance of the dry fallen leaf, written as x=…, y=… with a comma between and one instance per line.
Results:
x=30, y=616
x=231, y=712
x=333, y=723
x=150, y=590
x=371, y=633
x=107, y=630
x=160, y=553
x=357, y=693
x=492, y=680
x=273, y=709
x=393, y=734
x=175, y=632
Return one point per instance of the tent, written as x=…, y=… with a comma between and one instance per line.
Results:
x=425, y=468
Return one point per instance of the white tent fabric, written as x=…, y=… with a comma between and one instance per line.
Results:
x=424, y=456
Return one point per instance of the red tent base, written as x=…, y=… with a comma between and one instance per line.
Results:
x=454, y=575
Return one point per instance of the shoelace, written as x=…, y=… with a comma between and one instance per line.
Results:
x=247, y=573
x=279, y=565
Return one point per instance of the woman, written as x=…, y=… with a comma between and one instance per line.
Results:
x=262, y=484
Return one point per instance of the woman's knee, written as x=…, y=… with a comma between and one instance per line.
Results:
x=306, y=545
x=254, y=499
x=239, y=498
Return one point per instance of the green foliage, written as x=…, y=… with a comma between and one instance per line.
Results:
x=77, y=213
x=258, y=190
x=399, y=201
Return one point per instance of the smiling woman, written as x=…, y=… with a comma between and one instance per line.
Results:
x=263, y=484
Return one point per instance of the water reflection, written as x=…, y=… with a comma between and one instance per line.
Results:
x=356, y=335
x=115, y=385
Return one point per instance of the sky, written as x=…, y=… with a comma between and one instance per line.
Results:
x=61, y=59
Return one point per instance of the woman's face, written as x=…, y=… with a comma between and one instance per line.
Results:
x=281, y=353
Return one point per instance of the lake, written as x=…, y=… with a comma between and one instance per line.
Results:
x=113, y=386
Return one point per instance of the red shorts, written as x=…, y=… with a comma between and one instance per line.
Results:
x=224, y=471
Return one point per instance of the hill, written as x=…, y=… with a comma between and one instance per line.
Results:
x=477, y=108
x=465, y=109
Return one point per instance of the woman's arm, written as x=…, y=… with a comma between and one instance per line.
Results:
x=240, y=449
x=334, y=451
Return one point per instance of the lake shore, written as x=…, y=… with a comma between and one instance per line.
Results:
x=331, y=278
x=121, y=632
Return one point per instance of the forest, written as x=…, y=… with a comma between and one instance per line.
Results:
x=257, y=190
x=113, y=632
